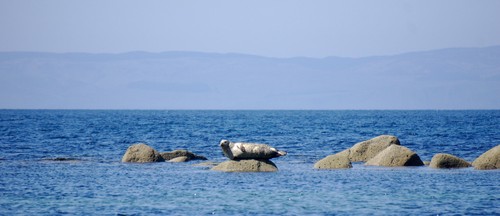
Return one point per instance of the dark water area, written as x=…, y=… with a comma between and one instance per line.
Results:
x=68, y=162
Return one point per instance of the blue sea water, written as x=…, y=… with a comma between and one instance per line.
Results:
x=93, y=181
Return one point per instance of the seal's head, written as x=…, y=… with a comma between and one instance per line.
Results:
x=224, y=143
x=226, y=149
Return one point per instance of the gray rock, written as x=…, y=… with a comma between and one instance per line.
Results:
x=448, y=161
x=336, y=161
x=395, y=155
x=249, y=165
x=488, y=160
x=179, y=159
x=141, y=153
x=179, y=153
x=364, y=151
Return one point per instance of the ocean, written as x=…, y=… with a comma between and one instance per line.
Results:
x=57, y=162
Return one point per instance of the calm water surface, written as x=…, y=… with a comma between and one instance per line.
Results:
x=94, y=181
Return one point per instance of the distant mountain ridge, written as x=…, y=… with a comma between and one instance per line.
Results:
x=455, y=78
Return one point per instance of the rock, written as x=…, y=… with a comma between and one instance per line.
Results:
x=336, y=161
x=395, y=155
x=179, y=159
x=206, y=164
x=427, y=163
x=62, y=159
x=250, y=165
x=363, y=151
x=448, y=161
x=167, y=156
x=488, y=160
x=141, y=153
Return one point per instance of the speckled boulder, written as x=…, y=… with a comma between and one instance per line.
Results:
x=488, y=160
x=141, y=153
x=448, y=161
x=395, y=155
x=363, y=151
x=336, y=161
x=180, y=153
x=250, y=165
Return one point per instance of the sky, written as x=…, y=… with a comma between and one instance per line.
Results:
x=279, y=28
x=270, y=28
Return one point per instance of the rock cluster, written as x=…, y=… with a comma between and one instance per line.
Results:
x=142, y=153
x=486, y=161
x=384, y=150
x=387, y=151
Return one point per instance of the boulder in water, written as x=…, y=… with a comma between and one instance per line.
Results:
x=395, y=155
x=363, y=151
x=248, y=165
x=141, y=153
x=335, y=161
x=448, y=161
x=488, y=160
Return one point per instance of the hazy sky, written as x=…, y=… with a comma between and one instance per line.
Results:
x=262, y=27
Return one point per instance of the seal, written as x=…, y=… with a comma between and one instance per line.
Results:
x=241, y=150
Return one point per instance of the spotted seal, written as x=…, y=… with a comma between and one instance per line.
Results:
x=241, y=150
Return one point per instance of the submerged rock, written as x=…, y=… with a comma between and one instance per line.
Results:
x=395, y=155
x=488, y=160
x=179, y=159
x=206, y=164
x=62, y=159
x=167, y=156
x=249, y=165
x=448, y=161
x=363, y=151
x=141, y=153
x=336, y=161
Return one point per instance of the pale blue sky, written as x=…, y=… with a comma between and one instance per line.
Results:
x=262, y=27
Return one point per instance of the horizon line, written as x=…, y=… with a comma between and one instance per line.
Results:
x=244, y=54
x=153, y=109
